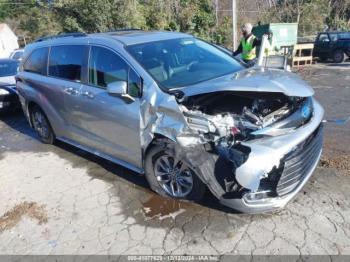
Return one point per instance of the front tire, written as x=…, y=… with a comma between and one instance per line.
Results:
x=42, y=126
x=338, y=56
x=170, y=176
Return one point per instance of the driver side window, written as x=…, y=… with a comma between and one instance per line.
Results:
x=106, y=67
x=323, y=38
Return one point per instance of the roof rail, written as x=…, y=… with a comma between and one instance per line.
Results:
x=124, y=30
x=60, y=36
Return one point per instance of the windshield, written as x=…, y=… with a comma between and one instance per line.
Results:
x=8, y=68
x=183, y=62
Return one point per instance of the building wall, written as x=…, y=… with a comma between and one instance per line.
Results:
x=8, y=41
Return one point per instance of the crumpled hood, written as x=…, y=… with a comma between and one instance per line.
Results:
x=254, y=80
x=7, y=80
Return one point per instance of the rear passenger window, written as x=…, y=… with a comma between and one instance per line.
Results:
x=37, y=62
x=106, y=67
x=66, y=62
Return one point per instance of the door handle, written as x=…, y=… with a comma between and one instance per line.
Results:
x=87, y=94
x=71, y=91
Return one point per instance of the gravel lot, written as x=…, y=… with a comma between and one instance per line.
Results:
x=60, y=200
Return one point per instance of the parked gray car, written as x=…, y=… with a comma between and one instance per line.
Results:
x=178, y=109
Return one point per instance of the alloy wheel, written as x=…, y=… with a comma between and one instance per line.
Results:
x=41, y=125
x=175, y=177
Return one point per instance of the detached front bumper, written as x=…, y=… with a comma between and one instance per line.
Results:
x=298, y=153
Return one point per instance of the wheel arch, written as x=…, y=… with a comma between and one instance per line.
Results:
x=156, y=138
x=347, y=51
x=30, y=106
x=338, y=49
x=161, y=143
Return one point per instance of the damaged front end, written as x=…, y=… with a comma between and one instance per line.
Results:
x=254, y=150
x=254, y=137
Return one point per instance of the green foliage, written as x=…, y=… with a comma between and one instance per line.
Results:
x=204, y=20
x=312, y=15
x=29, y=18
x=37, y=18
x=223, y=34
x=340, y=15
x=83, y=15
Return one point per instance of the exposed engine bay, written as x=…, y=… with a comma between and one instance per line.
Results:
x=229, y=123
x=236, y=116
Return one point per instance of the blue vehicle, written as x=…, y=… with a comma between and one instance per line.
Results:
x=332, y=45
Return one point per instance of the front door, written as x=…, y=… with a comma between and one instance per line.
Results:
x=322, y=46
x=109, y=123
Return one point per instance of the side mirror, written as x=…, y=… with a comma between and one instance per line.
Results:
x=118, y=88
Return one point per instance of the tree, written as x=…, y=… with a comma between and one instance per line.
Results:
x=340, y=15
x=128, y=14
x=311, y=15
x=29, y=18
x=84, y=15
x=223, y=33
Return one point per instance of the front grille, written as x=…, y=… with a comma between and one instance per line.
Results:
x=299, y=162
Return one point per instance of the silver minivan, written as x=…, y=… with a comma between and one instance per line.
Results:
x=179, y=110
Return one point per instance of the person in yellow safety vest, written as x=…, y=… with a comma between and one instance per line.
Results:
x=270, y=48
x=247, y=46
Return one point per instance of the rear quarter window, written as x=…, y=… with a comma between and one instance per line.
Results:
x=66, y=62
x=37, y=62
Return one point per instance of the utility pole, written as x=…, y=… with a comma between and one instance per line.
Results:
x=216, y=12
x=234, y=24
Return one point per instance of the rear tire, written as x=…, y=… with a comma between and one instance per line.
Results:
x=42, y=125
x=338, y=56
x=168, y=175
